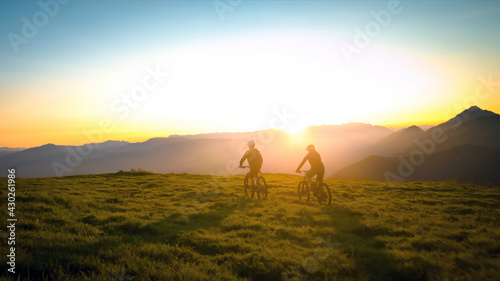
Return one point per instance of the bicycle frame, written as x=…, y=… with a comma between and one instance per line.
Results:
x=322, y=191
x=314, y=181
x=260, y=185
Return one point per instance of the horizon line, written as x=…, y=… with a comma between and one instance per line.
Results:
x=393, y=127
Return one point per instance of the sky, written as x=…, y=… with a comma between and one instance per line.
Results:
x=75, y=72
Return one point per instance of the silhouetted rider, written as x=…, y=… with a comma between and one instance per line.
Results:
x=317, y=167
x=254, y=158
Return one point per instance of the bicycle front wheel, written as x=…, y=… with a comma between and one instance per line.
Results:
x=302, y=189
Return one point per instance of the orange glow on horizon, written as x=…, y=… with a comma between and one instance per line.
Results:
x=26, y=133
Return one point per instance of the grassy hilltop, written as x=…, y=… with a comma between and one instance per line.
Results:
x=141, y=226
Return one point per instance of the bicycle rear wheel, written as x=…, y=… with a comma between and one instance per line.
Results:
x=302, y=189
x=328, y=193
x=246, y=186
x=256, y=189
x=262, y=187
x=324, y=194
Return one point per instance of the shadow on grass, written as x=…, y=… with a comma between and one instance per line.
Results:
x=360, y=243
x=168, y=229
x=72, y=259
x=56, y=262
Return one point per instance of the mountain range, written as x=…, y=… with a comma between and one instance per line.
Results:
x=464, y=148
x=215, y=153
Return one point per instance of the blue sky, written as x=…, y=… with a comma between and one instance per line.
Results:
x=102, y=29
x=261, y=54
x=84, y=32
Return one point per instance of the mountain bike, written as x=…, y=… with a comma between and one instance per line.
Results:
x=322, y=192
x=260, y=185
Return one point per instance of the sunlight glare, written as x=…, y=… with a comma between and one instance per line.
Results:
x=222, y=85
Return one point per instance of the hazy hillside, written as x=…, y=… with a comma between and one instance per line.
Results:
x=473, y=134
x=469, y=114
x=37, y=161
x=465, y=148
x=472, y=126
x=216, y=153
x=371, y=168
x=467, y=163
x=8, y=150
x=396, y=142
x=343, y=145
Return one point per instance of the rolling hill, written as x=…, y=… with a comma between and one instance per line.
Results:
x=396, y=142
x=467, y=163
x=143, y=226
x=8, y=150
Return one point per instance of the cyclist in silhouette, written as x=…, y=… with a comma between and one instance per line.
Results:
x=254, y=158
x=317, y=167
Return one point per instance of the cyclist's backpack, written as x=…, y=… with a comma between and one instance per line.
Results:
x=258, y=157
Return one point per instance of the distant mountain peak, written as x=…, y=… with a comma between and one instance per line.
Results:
x=49, y=145
x=113, y=142
x=473, y=108
x=410, y=131
x=476, y=111
x=468, y=114
x=413, y=129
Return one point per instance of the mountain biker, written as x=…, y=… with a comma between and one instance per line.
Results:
x=254, y=158
x=317, y=167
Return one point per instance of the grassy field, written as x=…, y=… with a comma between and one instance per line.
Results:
x=140, y=226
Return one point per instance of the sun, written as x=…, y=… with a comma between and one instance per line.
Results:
x=295, y=130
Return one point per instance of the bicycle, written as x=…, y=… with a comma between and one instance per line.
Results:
x=260, y=186
x=322, y=192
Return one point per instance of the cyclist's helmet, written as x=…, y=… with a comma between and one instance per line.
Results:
x=251, y=143
x=310, y=147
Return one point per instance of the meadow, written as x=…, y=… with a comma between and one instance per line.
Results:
x=143, y=226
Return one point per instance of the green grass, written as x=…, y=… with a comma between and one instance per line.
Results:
x=143, y=226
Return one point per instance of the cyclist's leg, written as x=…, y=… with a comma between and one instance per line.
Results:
x=319, y=179
x=257, y=171
x=321, y=175
x=326, y=196
x=309, y=175
x=254, y=171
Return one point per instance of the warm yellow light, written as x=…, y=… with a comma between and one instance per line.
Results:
x=238, y=85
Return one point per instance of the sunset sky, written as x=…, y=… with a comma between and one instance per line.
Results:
x=133, y=70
